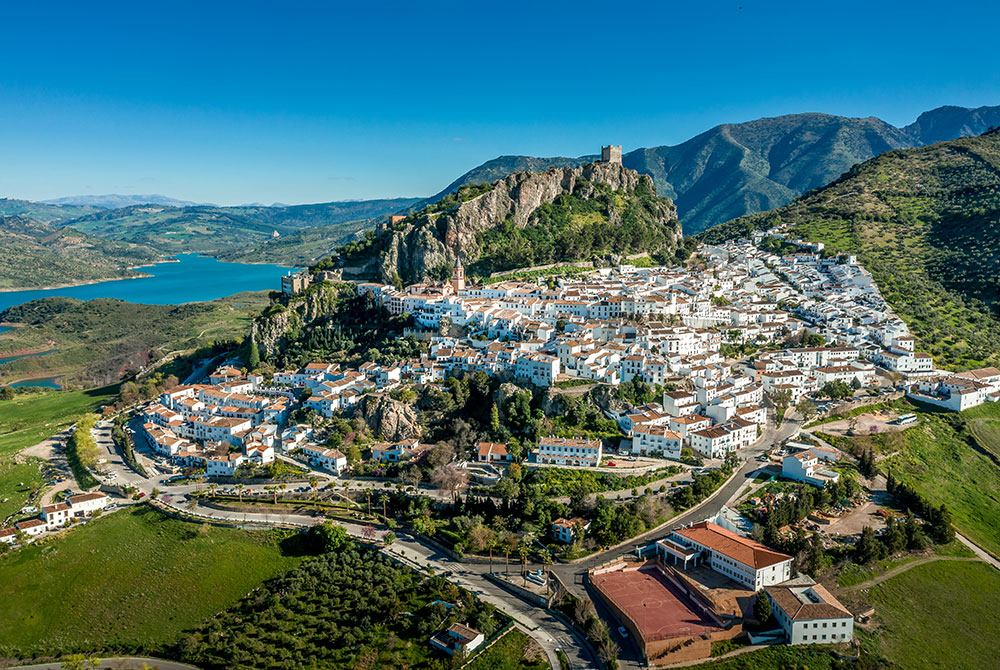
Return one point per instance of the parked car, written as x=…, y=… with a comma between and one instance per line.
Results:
x=623, y=632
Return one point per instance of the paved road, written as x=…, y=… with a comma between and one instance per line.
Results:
x=978, y=551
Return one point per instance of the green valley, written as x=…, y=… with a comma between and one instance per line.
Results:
x=99, y=341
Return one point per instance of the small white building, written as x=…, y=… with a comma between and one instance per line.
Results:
x=565, y=451
x=809, y=466
x=648, y=440
x=56, y=515
x=809, y=614
x=458, y=640
x=564, y=530
x=85, y=504
x=332, y=460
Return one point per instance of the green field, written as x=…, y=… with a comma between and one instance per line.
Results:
x=131, y=580
x=939, y=615
x=779, y=657
x=29, y=418
x=17, y=481
x=514, y=651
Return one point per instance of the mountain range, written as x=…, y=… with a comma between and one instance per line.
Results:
x=115, y=201
x=926, y=223
x=740, y=168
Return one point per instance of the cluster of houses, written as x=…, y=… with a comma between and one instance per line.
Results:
x=959, y=391
x=72, y=509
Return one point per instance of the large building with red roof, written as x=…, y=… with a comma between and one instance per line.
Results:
x=738, y=558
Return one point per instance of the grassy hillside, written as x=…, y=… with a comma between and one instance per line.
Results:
x=927, y=223
x=131, y=580
x=29, y=418
x=99, y=341
x=938, y=615
x=34, y=254
x=222, y=230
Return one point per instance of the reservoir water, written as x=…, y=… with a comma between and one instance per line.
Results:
x=192, y=278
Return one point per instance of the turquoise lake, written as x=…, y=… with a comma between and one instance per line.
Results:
x=192, y=278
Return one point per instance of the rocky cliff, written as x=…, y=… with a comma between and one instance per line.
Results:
x=271, y=331
x=589, y=195
x=389, y=419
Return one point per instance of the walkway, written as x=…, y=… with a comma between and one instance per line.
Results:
x=899, y=569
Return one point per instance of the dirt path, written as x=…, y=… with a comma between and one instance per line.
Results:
x=53, y=451
x=899, y=569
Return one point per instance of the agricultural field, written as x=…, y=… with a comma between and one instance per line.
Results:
x=133, y=579
x=28, y=418
x=938, y=615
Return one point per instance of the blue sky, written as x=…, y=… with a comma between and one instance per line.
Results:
x=316, y=101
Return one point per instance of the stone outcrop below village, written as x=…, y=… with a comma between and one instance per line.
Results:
x=433, y=240
x=389, y=419
x=269, y=331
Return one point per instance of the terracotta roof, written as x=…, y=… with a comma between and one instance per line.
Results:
x=799, y=606
x=736, y=547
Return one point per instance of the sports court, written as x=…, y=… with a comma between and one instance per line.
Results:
x=659, y=609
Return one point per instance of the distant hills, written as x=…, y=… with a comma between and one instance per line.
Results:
x=742, y=168
x=115, y=201
x=223, y=230
x=36, y=254
x=926, y=222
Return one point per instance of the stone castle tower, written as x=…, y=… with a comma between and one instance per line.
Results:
x=458, y=276
x=611, y=154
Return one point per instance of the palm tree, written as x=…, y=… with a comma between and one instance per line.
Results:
x=211, y=487
x=384, y=499
x=239, y=491
x=313, y=483
x=523, y=549
x=491, y=543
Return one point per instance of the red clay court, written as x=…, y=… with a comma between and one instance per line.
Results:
x=659, y=609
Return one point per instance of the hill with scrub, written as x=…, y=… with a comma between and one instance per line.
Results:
x=592, y=212
x=926, y=222
x=35, y=254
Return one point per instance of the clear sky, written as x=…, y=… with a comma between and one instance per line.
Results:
x=314, y=101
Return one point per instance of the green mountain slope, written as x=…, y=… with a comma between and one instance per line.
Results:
x=221, y=230
x=927, y=223
x=34, y=254
x=742, y=168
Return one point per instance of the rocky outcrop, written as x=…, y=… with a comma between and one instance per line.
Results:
x=433, y=239
x=270, y=330
x=606, y=399
x=389, y=419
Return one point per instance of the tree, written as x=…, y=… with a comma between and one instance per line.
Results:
x=368, y=532
x=868, y=548
x=253, y=355
x=388, y=538
x=331, y=535
x=815, y=559
x=239, y=491
x=762, y=607
x=450, y=478
x=806, y=407
x=781, y=400
x=80, y=662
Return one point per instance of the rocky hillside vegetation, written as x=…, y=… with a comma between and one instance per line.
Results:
x=595, y=211
x=927, y=223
